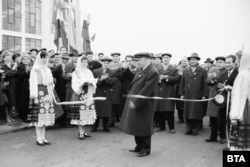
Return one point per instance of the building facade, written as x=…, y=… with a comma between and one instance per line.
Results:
x=26, y=24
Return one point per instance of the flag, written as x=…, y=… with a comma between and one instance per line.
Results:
x=57, y=5
x=85, y=36
x=93, y=37
x=60, y=34
x=71, y=29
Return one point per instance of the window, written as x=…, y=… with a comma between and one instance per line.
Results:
x=11, y=15
x=32, y=43
x=12, y=43
x=33, y=16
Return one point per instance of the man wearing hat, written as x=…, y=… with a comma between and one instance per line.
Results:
x=67, y=75
x=194, y=86
x=116, y=60
x=226, y=79
x=93, y=64
x=208, y=64
x=116, y=65
x=60, y=85
x=166, y=88
x=213, y=109
x=137, y=118
x=33, y=53
x=105, y=85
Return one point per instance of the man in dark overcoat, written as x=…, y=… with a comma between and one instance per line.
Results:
x=212, y=108
x=166, y=88
x=226, y=79
x=106, y=81
x=67, y=76
x=194, y=86
x=137, y=118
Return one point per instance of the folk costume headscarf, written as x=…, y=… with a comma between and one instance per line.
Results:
x=241, y=89
x=81, y=76
x=40, y=74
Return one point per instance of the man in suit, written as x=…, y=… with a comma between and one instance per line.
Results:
x=194, y=86
x=166, y=88
x=226, y=79
x=67, y=76
x=137, y=118
x=104, y=88
x=60, y=85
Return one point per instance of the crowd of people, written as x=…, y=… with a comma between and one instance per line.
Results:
x=32, y=85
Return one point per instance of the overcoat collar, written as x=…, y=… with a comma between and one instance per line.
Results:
x=190, y=73
x=140, y=74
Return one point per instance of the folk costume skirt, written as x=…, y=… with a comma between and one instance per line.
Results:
x=82, y=114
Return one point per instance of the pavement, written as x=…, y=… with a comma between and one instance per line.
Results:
x=18, y=125
x=103, y=149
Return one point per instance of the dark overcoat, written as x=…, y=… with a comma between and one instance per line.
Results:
x=194, y=86
x=61, y=82
x=166, y=88
x=23, y=92
x=104, y=89
x=138, y=121
x=10, y=76
x=212, y=108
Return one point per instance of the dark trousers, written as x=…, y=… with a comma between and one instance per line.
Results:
x=105, y=122
x=160, y=118
x=222, y=122
x=180, y=115
x=143, y=143
x=115, y=113
x=193, y=125
x=214, y=127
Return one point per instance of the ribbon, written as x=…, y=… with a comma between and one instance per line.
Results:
x=51, y=92
x=167, y=98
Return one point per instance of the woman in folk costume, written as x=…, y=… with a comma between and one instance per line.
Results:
x=42, y=107
x=240, y=107
x=84, y=86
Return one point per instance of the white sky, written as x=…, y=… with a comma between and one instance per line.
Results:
x=209, y=27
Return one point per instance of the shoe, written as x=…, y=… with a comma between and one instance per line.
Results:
x=106, y=130
x=40, y=143
x=112, y=125
x=143, y=153
x=188, y=133
x=195, y=133
x=86, y=135
x=211, y=140
x=135, y=150
x=180, y=122
x=172, y=131
x=159, y=129
x=223, y=141
x=46, y=142
x=81, y=136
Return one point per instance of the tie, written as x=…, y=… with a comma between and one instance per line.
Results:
x=229, y=73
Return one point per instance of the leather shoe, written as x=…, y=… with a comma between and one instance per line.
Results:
x=211, y=140
x=134, y=150
x=188, y=133
x=40, y=143
x=223, y=141
x=172, y=131
x=195, y=133
x=87, y=135
x=46, y=142
x=106, y=130
x=143, y=153
x=160, y=129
